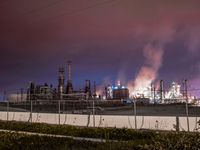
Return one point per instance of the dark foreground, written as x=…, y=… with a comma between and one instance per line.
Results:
x=125, y=139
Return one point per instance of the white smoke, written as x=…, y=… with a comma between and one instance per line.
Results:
x=148, y=73
x=153, y=53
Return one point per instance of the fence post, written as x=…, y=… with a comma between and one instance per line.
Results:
x=63, y=106
x=31, y=111
x=177, y=123
x=7, y=110
x=186, y=105
x=93, y=113
x=59, y=112
x=7, y=104
x=135, y=113
x=59, y=108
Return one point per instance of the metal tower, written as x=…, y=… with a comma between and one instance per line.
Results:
x=94, y=92
x=61, y=81
x=69, y=88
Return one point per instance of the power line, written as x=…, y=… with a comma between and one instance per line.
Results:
x=43, y=7
x=52, y=18
x=82, y=9
x=89, y=7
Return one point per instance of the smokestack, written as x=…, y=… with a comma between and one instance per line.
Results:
x=185, y=91
x=87, y=87
x=69, y=70
x=69, y=88
x=106, y=92
x=154, y=94
x=61, y=81
x=31, y=91
x=161, y=91
x=152, y=89
x=94, y=94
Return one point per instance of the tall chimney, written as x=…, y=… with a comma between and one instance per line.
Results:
x=69, y=88
x=152, y=86
x=61, y=81
x=185, y=89
x=161, y=91
x=87, y=87
x=94, y=94
x=69, y=70
x=154, y=94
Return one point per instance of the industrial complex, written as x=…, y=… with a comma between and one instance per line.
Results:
x=154, y=94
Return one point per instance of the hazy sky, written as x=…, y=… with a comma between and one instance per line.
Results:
x=105, y=39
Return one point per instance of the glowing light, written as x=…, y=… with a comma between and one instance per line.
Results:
x=118, y=83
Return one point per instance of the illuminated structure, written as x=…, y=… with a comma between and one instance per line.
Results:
x=87, y=89
x=174, y=91
x=117, y=92
x=159, y=95
x=61, y=81
x=146, y=90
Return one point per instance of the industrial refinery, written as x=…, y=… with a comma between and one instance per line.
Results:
x=63, y=91
x=153, y=94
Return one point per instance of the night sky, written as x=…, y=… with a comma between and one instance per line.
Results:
x=106, y=40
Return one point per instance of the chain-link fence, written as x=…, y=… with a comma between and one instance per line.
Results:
x=136, y=113
x=134, y=110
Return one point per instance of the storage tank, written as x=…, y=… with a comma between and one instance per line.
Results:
x=120, y=92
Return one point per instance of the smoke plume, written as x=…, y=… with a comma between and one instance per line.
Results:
x=153, y=53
